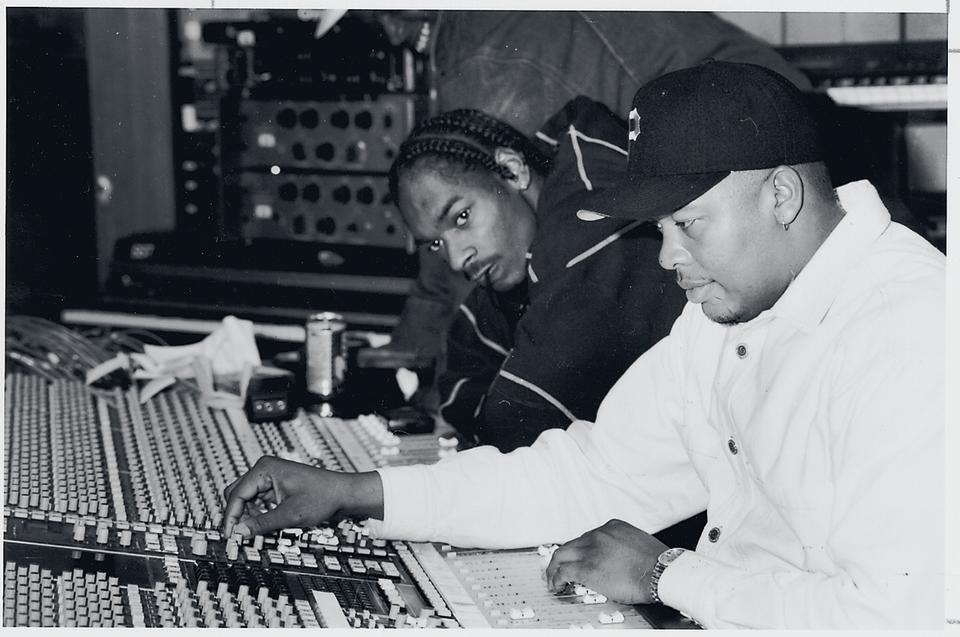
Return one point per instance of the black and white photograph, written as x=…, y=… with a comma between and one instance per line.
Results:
x=520, y=317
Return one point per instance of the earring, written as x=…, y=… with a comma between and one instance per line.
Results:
x=786, y=226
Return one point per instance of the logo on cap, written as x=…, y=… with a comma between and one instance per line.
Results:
x=634, y=125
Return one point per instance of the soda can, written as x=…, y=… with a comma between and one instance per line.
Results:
x=326, y=354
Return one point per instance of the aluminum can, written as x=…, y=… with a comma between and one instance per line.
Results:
x=326, y=354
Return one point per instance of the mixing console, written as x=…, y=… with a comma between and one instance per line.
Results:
x=113, y=509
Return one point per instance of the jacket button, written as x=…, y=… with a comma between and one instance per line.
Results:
x=714, y=534
x=732, y=445
x=742, y=350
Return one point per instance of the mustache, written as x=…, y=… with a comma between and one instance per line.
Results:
x=474, y=272
x=688, y=282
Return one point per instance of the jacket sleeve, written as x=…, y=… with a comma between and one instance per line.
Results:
x=478, y=341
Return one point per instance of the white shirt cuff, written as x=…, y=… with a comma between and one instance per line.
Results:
x=402, y=520
x=683, y=586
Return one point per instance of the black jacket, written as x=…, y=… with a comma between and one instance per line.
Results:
x=595, y=298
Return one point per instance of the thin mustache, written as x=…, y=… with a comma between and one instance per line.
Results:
x=687, y=283
x=474, y=273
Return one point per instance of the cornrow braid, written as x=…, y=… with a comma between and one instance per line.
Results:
x=488, y=131
x=465, y=138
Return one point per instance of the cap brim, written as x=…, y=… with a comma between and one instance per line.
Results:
x=648, y=197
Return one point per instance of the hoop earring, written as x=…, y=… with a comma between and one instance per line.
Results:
x=786, y=226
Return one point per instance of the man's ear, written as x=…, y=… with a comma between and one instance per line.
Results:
x=516, y=166
x=785, y=185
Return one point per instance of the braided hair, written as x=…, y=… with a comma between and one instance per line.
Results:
x=465, y=139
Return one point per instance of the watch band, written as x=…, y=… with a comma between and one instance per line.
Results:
x=663, y=561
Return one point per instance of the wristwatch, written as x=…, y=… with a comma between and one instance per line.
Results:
x=664, y=560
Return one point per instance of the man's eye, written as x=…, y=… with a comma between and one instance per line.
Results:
x=462, y=217
x=683, y=225
x=435, y=245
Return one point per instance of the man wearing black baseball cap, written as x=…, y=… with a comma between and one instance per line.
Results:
x=801, y=404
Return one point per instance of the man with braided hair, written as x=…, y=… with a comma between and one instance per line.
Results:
x=561, y=310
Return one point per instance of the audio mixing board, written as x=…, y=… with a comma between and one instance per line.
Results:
x=113, y=508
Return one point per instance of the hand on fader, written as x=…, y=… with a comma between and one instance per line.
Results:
x=615, y=559
x=278, y=494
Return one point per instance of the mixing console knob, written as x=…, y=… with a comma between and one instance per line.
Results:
x=611, y=618
x=79, y=531
x=102, y=534
x=448, y=443
x=199, y=546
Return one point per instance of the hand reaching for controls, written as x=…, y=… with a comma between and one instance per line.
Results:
x=278, y=494
x=615, y=559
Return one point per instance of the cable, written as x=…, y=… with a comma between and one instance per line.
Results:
x=156, y=339
x=55, y=352
x=51, y=350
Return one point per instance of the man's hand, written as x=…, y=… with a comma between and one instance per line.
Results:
x=279, y=494
x=616, y=559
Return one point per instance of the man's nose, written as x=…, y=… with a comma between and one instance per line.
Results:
x=458, y=253
x=672, y=253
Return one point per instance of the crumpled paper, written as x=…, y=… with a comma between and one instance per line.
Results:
x=225, y=358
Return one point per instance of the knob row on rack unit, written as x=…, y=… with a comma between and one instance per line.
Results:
x=361, y=136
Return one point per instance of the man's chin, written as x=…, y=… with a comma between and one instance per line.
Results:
x=720, y=314
x=502, y=284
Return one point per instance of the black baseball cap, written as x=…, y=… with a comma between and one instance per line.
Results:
x=691, y=128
